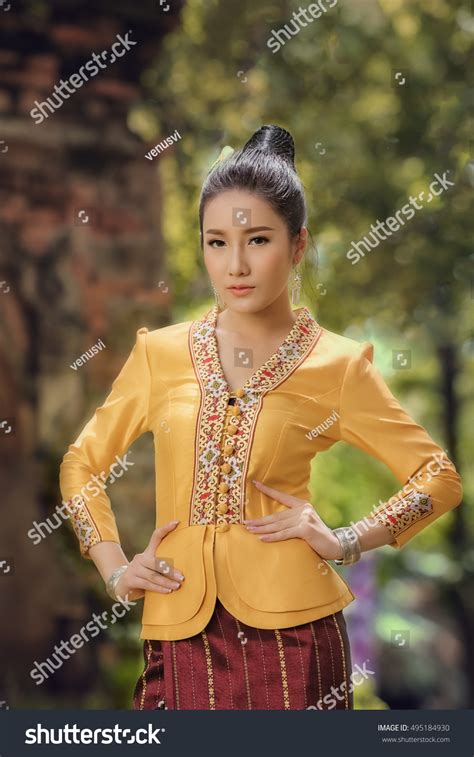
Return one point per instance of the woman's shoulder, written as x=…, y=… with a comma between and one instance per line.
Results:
x=165, y=341
x=342, y=346
x=171, y=331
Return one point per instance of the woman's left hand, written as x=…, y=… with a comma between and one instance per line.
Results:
x=300, y=520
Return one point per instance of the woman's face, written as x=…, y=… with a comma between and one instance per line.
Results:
x=246, y=243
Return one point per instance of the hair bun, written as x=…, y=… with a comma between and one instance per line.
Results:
x=272, y=139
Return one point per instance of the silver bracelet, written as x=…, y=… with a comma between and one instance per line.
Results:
x=349, y=541
x=113, y=581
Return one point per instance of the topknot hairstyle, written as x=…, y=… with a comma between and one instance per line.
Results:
x=264, y=165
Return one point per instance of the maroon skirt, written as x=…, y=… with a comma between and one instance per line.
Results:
x=232, y=666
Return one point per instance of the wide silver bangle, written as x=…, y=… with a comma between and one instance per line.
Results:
x=113, y=581
x=349, y=541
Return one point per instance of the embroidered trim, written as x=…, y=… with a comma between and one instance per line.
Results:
x=403, y=513
x=223, y=440
x=82, y=523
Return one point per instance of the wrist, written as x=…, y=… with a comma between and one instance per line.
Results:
x=113, y=581
x=350, y=544
x=326, y=545
x=338, y=551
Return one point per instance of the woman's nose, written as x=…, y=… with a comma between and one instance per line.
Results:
x=237, y=262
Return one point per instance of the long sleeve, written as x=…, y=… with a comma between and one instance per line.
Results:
x=373, y=420
x=97, y=455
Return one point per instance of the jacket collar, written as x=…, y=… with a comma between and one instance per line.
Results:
x=272, y=372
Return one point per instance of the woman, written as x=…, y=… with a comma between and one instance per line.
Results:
x=241, y=608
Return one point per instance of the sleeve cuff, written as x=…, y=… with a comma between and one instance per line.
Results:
x=85, y=527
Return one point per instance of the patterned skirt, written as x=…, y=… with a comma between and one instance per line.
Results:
x=232, y=666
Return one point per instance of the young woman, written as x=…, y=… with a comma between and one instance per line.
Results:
x=241, y=608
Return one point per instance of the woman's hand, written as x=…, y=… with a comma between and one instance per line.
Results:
x=301, y=520
x=142, y=572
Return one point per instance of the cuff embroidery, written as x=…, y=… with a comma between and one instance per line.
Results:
x=404, y=512
x=83, y=524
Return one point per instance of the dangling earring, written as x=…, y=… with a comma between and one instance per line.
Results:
x=220, y=306
x=296, y=287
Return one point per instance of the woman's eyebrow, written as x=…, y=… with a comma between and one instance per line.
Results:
x=247, y=231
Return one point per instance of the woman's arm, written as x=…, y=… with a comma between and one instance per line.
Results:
x=373, y=420
x=141, y=573
x=100, y=446
x=107, y=556
x=371, y=534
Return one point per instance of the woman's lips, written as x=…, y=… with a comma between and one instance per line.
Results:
x=240, y=291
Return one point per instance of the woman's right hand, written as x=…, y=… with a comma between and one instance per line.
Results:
x=142, y=572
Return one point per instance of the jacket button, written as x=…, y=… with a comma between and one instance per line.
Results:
x=231, y=430
x=228, y=449
x=240, y=393
x=224, y=487
x=235, y=410
x=222, y=508
x=225, y=468
x=223, y=528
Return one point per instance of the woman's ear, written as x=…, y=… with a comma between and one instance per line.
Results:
x=301, y=242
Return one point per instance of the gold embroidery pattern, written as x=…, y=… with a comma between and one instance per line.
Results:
x=82, y=523
x=244, y=659
x=346, y=682
x=401, y=514
x=284, y=676
x=160, y=700
x=175, y=673
x=229, y=674
x=223, y=439
x=302, y=667
x=210, y=672
x=149, y=651
x=330, y=653
x=318, y=666
x=262, y=653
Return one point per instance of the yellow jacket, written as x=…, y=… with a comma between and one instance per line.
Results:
x=319, y=387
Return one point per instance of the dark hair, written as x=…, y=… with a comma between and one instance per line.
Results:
x=264, y=165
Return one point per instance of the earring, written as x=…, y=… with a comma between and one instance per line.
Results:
x=216, y=296
x=296, y=287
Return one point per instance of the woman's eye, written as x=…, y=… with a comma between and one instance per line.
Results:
x=220, y=242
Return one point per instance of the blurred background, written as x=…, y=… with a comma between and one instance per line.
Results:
x=97, y=240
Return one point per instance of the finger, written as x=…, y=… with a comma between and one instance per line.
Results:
x=286, y=499
x=275, y=526
x=287, y=533
x=280, y=516
x=156, y=578
x=159, y=534
x=142, y=583
x=160, y=566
